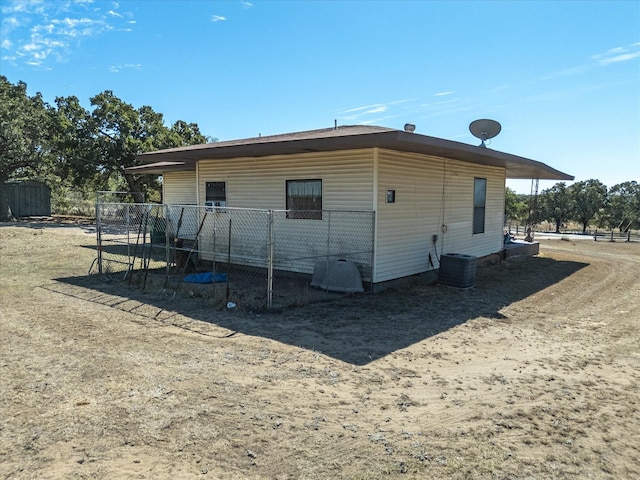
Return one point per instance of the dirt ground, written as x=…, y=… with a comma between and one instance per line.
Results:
x=532, y=374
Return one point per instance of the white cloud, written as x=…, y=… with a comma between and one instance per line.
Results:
x=356, y=109
x=382, y=120
x=35, y=31
x=377, y=113
x=357, y=113
x=498, y=89
x=20, y=6
x=366, y=108
x=247, y=5
x=217, y=18
x=43, y=29
x=623, y=57
x=130, y=66
x=439, y=103
x=442, y=94
x=10, y=22
x=30, y=47
x=8, y=25
x=79, y=27
x=618, y=54
x=445, y=107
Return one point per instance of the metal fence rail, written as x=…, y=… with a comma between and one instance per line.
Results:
x=251, y=257
x=616, y=236
x=597, y=234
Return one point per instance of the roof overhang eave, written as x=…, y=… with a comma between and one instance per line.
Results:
x=546, y=173
x=159, y=168
x=516, y=167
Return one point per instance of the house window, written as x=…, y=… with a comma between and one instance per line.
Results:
x=304, y=199
x=479, y=202
x=216, y=194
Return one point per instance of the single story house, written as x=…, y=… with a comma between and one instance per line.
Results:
x=430, y=196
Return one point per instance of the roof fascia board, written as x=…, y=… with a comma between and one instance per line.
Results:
x=515, y=166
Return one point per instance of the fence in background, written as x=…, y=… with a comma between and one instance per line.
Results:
x=72, y=203
x=597, y=234
x=613, y=236
x=254, y=258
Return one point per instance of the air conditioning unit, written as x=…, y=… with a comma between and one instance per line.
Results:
x=457, y=270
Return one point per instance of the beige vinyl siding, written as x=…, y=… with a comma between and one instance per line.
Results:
x=179, y=188
x=431, y=192
x=459, y=237
x=347, y=184
x=260, y=182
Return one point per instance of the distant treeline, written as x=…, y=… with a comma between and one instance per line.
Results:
x=588, y=203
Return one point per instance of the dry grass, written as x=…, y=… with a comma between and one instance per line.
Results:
x=534, y=373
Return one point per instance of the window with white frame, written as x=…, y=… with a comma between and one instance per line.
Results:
x=479, y=203
x=304, y=199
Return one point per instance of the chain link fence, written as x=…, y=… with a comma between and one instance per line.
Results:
x=72, y=203
x=253, y=258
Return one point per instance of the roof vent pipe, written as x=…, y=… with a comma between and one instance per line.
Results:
x=335, y=124
x=409, y=127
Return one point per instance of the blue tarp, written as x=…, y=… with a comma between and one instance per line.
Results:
x=206, y=277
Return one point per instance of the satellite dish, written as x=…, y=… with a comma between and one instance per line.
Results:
x=484, y=129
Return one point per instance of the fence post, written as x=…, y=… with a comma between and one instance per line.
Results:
x=167, y=253
x=611, y=236
x=270, y=250
x=99, y=234
x=628, y=235
x=128, y=210
x=328, y=214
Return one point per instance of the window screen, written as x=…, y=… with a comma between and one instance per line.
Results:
x=304, y=199
x=216, y=194
x=479, y=202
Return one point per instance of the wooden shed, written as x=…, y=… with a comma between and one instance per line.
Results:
x=27, y=198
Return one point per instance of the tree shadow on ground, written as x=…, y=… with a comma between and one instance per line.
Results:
x=357, y=329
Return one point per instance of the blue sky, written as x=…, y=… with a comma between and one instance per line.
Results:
x=563, y=78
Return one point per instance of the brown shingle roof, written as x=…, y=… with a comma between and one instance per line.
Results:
x=348, y=138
